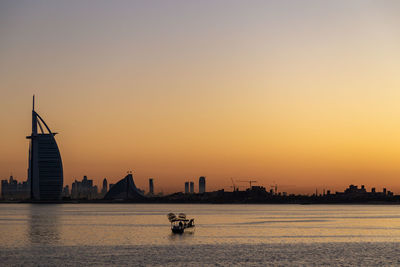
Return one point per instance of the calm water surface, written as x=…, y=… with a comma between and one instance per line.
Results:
x=251, y=235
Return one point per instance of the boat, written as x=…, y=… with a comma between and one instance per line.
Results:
x=179, y=223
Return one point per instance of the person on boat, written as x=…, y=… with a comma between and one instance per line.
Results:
x=180, y=225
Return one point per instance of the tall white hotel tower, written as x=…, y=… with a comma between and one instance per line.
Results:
x=45, y=173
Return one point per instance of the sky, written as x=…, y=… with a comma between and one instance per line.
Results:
x=303, y=94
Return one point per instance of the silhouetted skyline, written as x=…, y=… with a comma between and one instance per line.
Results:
x=293, y=92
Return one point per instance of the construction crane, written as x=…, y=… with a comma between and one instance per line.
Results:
x=233, y=185
x=248, y=181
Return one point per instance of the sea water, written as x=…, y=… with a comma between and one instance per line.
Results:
x=225, y=235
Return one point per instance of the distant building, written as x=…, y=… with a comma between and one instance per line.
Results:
x=45, y=174
x=104, y=189
x=125, y=189
x=191, y=187
x=84, y=189
x=8, y=188
x=66, y=191
x=11, y=189
x=353, y=189
x=202, y=184
x=186, y=187
x=151, y=186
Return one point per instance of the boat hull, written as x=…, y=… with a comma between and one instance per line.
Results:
x=177, y=231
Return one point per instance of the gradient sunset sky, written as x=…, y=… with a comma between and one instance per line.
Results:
x=305, y=94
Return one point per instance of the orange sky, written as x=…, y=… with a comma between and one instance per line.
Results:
x=302, y=94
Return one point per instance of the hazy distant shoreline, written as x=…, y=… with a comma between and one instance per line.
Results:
x=202, y=203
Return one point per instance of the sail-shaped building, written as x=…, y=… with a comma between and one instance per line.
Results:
x=45, y=173
x=125, y=189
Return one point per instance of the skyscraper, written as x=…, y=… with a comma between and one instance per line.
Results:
x=186, y=187
x=202, y=184
x=191, y=187
x=105, y=187
x=45, y=173
x=151, y=186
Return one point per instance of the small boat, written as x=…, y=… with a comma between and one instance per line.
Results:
x=179, y=223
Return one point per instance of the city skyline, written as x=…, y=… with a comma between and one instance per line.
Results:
x=296, y=94
x=199, y=132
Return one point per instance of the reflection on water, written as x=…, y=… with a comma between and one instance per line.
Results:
x=44, y=224
x=187, y=235
x=25, y=225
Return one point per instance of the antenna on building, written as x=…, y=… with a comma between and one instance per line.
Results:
x=33, y=103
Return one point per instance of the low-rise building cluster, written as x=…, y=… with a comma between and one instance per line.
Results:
x=85, y=190
x=11, y=189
